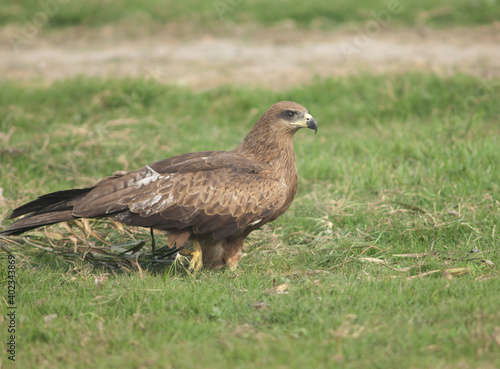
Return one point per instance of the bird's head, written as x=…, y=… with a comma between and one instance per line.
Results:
x=274, y=130
x=289, y=116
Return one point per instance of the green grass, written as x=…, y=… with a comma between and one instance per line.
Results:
x=324, y=319
x=316, y=14
x=399, y=185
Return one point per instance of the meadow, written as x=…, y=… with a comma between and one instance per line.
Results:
x=387, y=258
x=321, y=14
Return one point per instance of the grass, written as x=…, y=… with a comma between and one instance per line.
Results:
x=321, y=14
x=387, y=258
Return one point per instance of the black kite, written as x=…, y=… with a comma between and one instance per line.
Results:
x=207, y=200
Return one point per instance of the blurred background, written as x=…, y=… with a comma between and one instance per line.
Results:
x=277, y=44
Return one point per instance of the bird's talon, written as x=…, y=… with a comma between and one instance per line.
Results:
x=196, y=257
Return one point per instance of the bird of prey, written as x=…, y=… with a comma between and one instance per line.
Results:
x=207, y=201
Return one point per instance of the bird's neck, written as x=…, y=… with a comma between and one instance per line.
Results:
x=268, y=146
x=275, y=148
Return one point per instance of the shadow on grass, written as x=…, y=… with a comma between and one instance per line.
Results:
x=103, y=245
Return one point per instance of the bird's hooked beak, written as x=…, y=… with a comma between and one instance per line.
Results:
x=308, y=122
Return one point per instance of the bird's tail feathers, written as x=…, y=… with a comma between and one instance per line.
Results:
x=35, y=221
x=55, y=201
x=47, y=209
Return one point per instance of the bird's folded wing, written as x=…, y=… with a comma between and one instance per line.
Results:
x=216, y=194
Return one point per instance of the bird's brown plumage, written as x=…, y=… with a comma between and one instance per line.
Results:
x=215, y=197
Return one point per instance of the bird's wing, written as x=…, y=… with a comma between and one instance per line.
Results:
x=217, y=193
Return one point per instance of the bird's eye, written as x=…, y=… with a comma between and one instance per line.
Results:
x=289, y=114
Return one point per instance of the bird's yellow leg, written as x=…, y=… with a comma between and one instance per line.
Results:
x=196, y=260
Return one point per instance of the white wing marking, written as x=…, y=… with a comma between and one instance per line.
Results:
x=254, y=222
x=151, y=176
x=284, y=183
